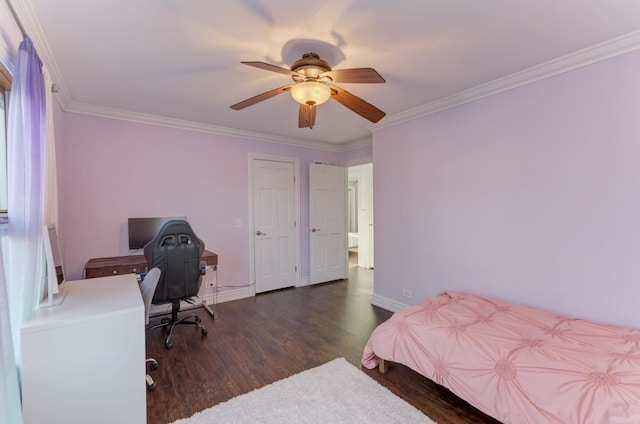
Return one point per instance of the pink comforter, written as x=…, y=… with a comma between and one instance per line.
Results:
x=517, y=364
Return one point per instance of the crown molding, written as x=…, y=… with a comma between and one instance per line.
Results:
x=124, y=115
x=7, y=58
x=29, y=20
x=356, y=144
x=611, y=48
x=10, y=38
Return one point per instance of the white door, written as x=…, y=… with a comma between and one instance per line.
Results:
x=274, y=226
x=327, y=220
x=365, y=255
x=371, y=225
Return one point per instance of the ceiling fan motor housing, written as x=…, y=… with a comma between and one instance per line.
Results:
x=311, y=66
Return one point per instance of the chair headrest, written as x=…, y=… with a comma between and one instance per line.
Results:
x=174, y=233
x=176, y=239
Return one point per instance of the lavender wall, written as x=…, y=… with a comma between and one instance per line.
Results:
x=111, y=170
x=531, y=195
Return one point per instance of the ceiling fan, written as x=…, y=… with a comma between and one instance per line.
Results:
x=314, y=84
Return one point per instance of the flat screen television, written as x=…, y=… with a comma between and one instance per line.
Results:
x=141, y=230
x=54, y=289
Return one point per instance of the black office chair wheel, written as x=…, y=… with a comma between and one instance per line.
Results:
x=203, y=331
x=151, y=385
x=168, y=344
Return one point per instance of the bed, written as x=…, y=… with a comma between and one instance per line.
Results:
x=516, y=363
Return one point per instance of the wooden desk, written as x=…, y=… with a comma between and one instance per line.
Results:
x=133, y=264
x=83, y=361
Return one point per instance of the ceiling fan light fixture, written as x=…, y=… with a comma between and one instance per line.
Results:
x=310, y=93
x=314, y=83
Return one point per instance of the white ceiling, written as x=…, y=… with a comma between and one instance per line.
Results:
x=178, y=61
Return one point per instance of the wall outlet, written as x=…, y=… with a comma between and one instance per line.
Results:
x=406, y=293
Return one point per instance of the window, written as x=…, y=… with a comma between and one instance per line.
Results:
x=5, y=84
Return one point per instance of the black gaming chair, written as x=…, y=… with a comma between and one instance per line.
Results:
x=177, y=252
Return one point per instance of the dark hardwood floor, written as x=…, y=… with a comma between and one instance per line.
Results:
x=256, y=341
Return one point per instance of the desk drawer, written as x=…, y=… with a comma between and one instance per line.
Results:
x=132, y=264
x=106, y=267
x=106, y=272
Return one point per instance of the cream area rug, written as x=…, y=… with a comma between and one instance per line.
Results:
x=336, y=392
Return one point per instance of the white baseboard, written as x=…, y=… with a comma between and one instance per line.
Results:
x=225, y=294
x=388, y=304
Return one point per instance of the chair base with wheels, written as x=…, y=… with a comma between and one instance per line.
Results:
x=153, y=365
x=170, y=323
x=147, y=288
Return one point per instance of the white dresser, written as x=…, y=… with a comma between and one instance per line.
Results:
x=84, y=360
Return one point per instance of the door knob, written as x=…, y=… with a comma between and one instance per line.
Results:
x=260, y=233
x=313, y=230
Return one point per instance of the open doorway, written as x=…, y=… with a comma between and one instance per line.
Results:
x=360, y=216
x=352, y=222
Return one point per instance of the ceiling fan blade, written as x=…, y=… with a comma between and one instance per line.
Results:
x=356, y=104
x=355, y=75
x=269, y=67
x=260, y=97
x=307, y=116
x=303, y=116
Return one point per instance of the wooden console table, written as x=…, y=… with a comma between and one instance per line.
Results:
x=133, y=264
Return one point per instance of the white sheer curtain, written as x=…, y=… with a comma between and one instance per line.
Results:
x=10, y=408
x=25, y=152
x=32, y=201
